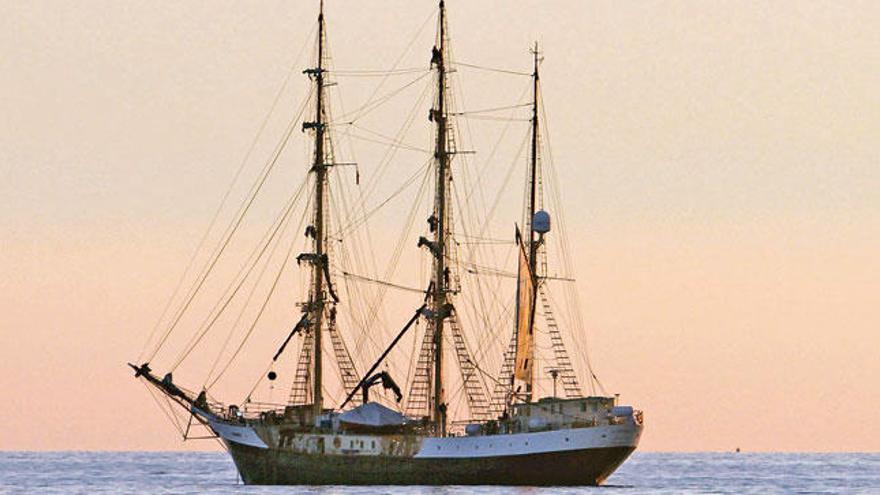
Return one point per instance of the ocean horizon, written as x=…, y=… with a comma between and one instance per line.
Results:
x=182, y=472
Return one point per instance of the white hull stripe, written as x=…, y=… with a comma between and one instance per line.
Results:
x=244, y=435
x=626, y=435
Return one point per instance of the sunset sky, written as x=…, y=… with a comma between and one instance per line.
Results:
x=719, y=160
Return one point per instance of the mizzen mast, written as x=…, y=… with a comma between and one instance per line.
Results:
x=527, y=287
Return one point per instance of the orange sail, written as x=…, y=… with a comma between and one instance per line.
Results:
x=525, y=309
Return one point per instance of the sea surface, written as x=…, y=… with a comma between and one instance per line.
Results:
x=648, y=473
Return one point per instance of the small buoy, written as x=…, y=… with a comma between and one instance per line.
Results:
x=272, y=375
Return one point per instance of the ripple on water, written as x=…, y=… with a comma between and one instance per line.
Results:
x=182, y=473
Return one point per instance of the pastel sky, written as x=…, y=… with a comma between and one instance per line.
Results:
x=721, y=174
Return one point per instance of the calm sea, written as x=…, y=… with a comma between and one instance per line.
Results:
x=648, y=473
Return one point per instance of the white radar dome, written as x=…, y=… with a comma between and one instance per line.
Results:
x=541, y=222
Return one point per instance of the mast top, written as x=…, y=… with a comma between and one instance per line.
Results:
x=538, y=58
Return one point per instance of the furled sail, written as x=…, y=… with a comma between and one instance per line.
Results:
x=525, y=310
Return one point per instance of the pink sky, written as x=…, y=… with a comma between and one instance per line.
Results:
x=722, y=189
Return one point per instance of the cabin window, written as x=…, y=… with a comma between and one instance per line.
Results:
x=583, y=407
x=373, y=444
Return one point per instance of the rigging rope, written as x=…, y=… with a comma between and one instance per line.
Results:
x=398, y=251
x=374, y=104
x=492, y=69
x=494, y=109
x=233, y=227
x=378, y=207
x=375, y=73
x=495, y=118
x=260, y=312
x=409, y=45
x=389, y=141
x=352, y=276
x=372, y=309
x=209, y=323
x=226, y=195
x=564, y=250
x=244, y=307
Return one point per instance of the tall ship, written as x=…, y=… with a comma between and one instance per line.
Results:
x=473, y=384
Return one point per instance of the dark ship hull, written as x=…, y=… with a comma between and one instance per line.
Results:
x=286, y=452
x=279, y=467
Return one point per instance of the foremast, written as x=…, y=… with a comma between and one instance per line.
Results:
x=320, y=262
x=440, y=225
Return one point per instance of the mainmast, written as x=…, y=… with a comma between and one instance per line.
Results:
x=319, y=167
x=440, y=226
